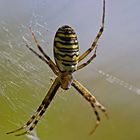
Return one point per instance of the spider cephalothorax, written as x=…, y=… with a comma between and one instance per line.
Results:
x=66, y=80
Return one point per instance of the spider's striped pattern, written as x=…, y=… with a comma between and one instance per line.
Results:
x=67, y=58
x=66, y=49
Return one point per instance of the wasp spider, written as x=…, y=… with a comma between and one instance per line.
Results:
x=67, y=58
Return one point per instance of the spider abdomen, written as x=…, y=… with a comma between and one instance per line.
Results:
x=66, y=49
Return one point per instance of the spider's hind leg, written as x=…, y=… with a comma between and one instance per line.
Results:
x=94, y=44
x=46, y=57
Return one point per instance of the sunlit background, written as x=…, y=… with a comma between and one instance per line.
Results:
x=113, y=77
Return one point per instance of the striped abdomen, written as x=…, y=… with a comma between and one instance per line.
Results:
x=66, y=49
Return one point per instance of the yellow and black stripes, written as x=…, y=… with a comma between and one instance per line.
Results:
x=66, y=49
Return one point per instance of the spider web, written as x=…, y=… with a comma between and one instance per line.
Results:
x=16, y=72
x=20, y=70
x=115, y=80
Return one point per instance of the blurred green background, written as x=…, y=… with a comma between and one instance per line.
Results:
x=113, y=77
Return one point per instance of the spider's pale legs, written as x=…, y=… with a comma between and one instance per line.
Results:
x=40, y=111
x=56, y=84
x=91, y=99
x=50, y=62
x=94, y=44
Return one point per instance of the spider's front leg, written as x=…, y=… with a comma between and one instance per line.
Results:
x=40, y=111
x=91, y=99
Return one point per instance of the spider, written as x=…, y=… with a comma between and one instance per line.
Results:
x=67, y=58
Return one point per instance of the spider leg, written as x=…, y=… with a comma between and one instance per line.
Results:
x=86, y=63
x=94, y=44
x=40, y=111
x=50, y=62
x=30, y=120
x=42, y=51
x=91, y=99
x=42, y=58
